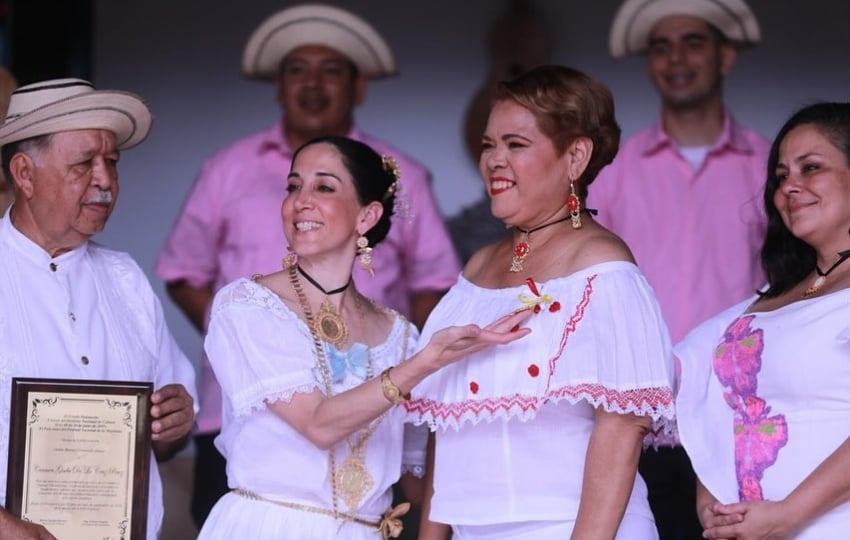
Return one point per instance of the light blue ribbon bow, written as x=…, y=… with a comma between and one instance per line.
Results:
x=354, y=361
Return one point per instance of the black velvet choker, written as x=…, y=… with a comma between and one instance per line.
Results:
x=315, y=283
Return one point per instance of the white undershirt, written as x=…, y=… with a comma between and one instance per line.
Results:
x=695, y=155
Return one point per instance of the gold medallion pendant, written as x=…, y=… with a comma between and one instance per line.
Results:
x=329, y=325
x=353, y=480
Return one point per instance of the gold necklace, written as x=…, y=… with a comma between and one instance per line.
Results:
x=523, y=247
x=352, y=480
x=329, y=323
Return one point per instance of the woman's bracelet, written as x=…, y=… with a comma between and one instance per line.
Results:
x=391, y=391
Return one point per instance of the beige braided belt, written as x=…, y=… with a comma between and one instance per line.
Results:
x=390, y=525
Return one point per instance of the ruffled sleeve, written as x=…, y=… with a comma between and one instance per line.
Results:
x=598, y=337
x=623, y=363
x=247, y=327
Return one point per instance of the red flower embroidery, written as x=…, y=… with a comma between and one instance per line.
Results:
x=533, y=370
x=473, y=387
x=555, y=306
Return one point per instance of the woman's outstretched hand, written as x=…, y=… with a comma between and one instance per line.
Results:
x=455, y=342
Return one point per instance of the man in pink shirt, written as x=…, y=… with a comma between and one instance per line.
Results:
x=320, y=58
x=686, y=193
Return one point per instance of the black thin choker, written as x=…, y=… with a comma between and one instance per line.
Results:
x=523, y=247
x=529, y=231
x=821, y=279
x=842, y=256
x=315, y=283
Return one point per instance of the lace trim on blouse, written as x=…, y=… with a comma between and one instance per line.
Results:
x=657, y=403
x=259, y=399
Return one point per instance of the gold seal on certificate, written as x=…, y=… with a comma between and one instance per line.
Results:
x=79, y=457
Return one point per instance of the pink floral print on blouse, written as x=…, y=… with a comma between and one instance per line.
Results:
x=758, y=437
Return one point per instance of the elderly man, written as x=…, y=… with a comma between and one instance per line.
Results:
x=685, y=194
x=320, y=58
x=72, y=309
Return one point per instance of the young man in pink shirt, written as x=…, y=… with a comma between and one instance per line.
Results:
x=686, y=193
x=320, y=58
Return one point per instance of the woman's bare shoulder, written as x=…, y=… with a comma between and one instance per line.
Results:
x=600, y=245
x=482, y=259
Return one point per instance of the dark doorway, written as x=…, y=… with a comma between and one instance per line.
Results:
x=48, y=39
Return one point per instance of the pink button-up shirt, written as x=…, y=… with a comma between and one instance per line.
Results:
x=230, y=227
x=696, y=234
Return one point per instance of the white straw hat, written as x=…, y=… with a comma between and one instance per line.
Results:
x=636, y=18
x=316, y=24
x=71, y=104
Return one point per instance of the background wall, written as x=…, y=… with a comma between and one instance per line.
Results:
x=184, y=58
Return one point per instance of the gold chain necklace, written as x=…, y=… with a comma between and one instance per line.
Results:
x=352, y=480
x=329, y=324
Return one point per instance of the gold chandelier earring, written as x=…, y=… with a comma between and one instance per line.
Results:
x=364, y=252
x=291, y=258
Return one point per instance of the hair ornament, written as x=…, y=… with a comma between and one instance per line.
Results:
x=391, y=166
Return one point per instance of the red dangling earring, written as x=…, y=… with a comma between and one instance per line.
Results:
x=574, y=206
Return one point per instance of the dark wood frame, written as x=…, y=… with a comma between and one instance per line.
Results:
x=141, y=391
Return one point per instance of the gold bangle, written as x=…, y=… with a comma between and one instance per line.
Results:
x=391, y=391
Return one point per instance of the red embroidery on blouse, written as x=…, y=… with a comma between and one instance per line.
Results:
x=570, y=327
x=641, y=400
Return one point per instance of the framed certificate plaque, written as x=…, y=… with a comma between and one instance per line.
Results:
x=79, y=457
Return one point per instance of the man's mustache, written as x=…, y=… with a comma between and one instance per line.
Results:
x=100, y=197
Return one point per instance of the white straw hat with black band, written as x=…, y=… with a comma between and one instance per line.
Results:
x=74, y=104
x=636, y=18
x=316, y=24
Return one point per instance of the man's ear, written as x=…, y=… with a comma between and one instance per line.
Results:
x=359, y=90
x=728, y=55
x=22, y=168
